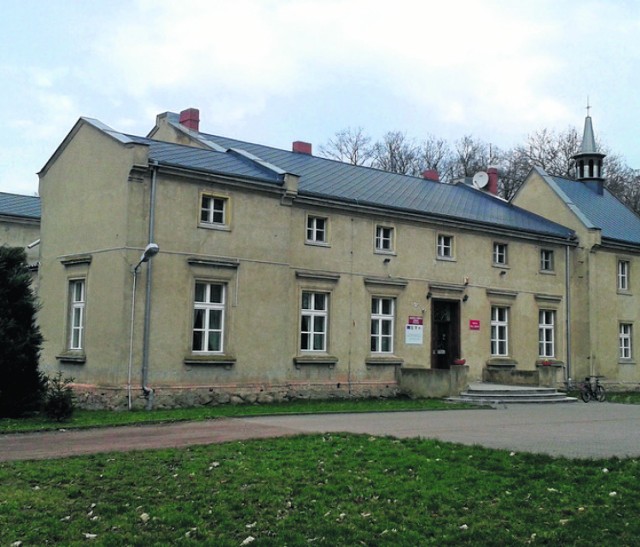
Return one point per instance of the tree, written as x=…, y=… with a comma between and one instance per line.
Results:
x=435, y=153
x=22, y=385
x=349, y=145
x=470, y=156
x=396, y=153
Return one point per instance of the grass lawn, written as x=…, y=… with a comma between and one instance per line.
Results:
x=98, y=418
x=321, y=490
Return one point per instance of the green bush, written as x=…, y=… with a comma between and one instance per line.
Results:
x=59, y=399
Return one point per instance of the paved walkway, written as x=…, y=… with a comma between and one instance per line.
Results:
x=579, y=430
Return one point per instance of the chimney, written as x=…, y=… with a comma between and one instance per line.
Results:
x=190, y=118
x=300, y=147
x=431, y=174
x=492, y=186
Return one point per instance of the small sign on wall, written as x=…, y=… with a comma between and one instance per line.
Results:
x=414, y=331
x=474, y=324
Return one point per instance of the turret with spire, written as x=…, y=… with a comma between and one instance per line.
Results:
x=589, y=160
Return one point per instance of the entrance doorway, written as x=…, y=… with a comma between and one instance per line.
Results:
x=445, y=332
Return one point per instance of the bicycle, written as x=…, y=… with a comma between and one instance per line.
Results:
x=592, y=389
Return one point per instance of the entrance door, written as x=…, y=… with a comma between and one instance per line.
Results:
x=445, y=332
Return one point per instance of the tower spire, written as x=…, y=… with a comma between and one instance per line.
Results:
x=588, y=159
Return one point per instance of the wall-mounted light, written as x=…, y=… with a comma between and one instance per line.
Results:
x=387, y=260
x=465, y=298
x=503, y=272
x=429, y=295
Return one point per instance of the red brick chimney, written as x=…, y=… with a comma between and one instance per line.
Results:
x=431, y=174
x=300, y=147
x=492, y=186
x=190, y=118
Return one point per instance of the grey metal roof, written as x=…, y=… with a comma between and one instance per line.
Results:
x=603, y=211
x=324, y=178
x=18, y=205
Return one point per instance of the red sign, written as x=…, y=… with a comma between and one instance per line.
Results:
x=474, y=324
x=415, y=320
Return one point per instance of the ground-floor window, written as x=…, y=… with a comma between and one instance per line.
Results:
x=546, y=333
x=208, y=317
x=314, y=315
x=625, y=340
x=499, y=331
x=382, y=319
x=77, y=302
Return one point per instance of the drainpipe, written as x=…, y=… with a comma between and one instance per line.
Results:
x=567, y=292
x=147, y=303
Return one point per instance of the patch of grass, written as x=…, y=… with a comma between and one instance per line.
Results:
x=102, y=418
x=629, y=397
x=321, y=490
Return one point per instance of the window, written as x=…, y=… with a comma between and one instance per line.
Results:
x=623, y=275
x=499, y=331
x=546, y=333
x=500, y=253
x=77, y=303
x=445, y=246
x=208, y=317
x=316, y=229
x=382, y=315
x=213, y=210
x=313, y=321
x=384, y=239
x=625, y=341
x=546, y=260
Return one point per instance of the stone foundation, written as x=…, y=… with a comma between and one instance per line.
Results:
x=115, y=398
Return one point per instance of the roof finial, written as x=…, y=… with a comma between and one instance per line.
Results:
x=588, y=107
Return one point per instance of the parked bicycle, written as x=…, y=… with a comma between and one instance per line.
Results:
x=592, y=389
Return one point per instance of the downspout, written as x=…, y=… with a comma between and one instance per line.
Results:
x=567, y=291
x=147, y=302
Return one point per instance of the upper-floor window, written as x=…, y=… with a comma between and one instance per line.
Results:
x=499, y=331
x=384, y=238
x=382, y=319
x=77, y=302
x=546, y=333
x=546, y=260
x=623, y=275
x=316, y=229
x=314, y=316
x=624, y=337
x=444, y=246
x=500, y=254
x=214, y=210
x=208, y=318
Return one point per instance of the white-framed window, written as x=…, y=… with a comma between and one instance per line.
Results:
x=317, y=229
x=384, y=238
x=500, y=253
x=314, y=318
x=382, y=324
x=546, y=260
x=623, y=275
x=499, y=331
x=546, y=333
x=214, y=210
x=444, y=246
x=208, y=317
x=77, y=305
x=625, y=339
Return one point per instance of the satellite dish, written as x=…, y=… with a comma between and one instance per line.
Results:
x=480, y=179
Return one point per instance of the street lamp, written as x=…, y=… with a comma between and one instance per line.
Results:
x=149, y=252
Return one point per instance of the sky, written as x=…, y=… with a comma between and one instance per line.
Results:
x=277, y=71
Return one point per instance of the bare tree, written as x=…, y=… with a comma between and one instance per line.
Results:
x=435, y=153
x=350, y=145
x=470, y=156
x=396, y=153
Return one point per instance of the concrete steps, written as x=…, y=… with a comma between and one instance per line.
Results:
x=496, y=394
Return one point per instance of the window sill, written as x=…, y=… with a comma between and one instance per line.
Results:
x=623, y=292
x=547, y=272
x=383, y=360
x=501, y=266
x=553, y=362
x=318, y=360
x=317, y=243
x=501, y=363
x=627, y=362
x=226, y=361
x=219, y=227
x=385, y=252
x=446, y=258
x=75, y=357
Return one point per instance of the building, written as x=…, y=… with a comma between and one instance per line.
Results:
x=605, y=265
x=20, y=226
x=281, y=274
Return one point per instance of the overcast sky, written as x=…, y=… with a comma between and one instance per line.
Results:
x=275, y=71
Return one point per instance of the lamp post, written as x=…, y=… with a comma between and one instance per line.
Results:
x=149, y=252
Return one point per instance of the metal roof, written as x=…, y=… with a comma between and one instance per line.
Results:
x=17, y=205
x=603, y=211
